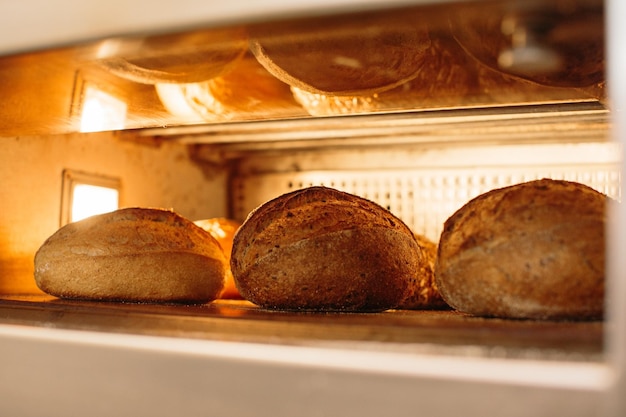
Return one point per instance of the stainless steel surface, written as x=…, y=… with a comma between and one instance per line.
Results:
x=401, y=331
x=551, y=122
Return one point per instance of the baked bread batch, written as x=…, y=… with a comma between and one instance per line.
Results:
x=534, y=250
x=384, y=61
x=132, y=254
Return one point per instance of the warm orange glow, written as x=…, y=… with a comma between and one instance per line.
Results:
x=89, y=200
x=85, y=194
x=173, y=98
x=101, y=111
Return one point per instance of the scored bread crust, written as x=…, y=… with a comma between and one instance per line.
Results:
x=323, y=249
x=132, y=254
x=533, y=250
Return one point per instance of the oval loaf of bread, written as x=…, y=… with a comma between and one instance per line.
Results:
x=532, y=250
x=132, y=254
x=322, y=249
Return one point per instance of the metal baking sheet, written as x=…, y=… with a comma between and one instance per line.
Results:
x=406, y=331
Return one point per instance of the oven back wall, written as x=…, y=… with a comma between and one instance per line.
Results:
x=31, y=170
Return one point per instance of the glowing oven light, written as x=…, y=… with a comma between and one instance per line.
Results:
x=86, y=194
x=89, y=200
x=101, y=111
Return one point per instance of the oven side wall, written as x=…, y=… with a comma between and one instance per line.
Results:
x=31, y=168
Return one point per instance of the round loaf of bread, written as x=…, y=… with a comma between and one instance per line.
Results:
x=223, y=230
x=247, y=90
x=132, y=254
x=576, y=37
x=343, y=56
x=533, y=250
x=322, y=249
x=188, y=57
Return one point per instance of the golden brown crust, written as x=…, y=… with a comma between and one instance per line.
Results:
x=364, y=55
x=576, y=36
x=133, y=254
x=189, y=57
x=329, y=105
x=223, y=230
x=532, y=250
x=322, y=249
x=248, y=89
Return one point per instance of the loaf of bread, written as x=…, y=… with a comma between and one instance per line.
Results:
x=188, y=57
x=424, y=293
x=331, y=105
x=574, y=38
x=341, y=56
x=533, y=250
x=223, y=230
x=246, y=91
x=322, y=249
x=132, y=254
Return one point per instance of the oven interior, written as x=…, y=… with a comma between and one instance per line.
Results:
x=418, y=108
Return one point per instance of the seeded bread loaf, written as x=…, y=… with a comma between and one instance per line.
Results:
x=132, y=254
x=533, y=250
x=323, y=249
